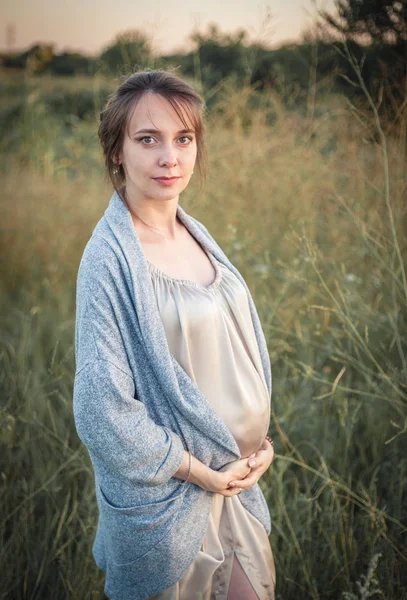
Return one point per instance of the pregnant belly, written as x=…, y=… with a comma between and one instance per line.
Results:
x=250, y=433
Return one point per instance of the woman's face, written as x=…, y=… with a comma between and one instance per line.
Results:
x=165, y=150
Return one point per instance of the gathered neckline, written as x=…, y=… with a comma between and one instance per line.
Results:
x=211, y=287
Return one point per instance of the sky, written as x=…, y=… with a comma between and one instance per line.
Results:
x=88, y=26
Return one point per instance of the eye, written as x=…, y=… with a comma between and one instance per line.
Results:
x=186, y=137
x=146, y=137
x=149, y=137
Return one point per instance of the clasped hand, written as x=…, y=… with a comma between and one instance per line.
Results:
x=239, y=474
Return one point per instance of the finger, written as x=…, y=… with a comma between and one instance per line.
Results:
x=259, y=468
x=234, y=491
x=246, y=482
x=252, y=457
x=229, y=493
x=234, y=484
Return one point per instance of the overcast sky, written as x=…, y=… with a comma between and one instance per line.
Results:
x=88, y=26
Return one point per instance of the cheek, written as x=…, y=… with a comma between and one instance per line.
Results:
x=140, y=163
x=191, y=156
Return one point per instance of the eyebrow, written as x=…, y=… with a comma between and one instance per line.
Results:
x=158, y=131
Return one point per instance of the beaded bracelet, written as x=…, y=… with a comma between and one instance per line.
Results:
x=270, y=440
x=189, y=470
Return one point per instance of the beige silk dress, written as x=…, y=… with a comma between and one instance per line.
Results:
x=210, y=333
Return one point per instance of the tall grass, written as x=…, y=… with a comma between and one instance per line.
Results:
x=311, y=209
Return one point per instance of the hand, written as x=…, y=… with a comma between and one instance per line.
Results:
x=263, y=457
x=219, y=480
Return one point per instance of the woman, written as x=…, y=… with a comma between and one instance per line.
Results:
x=173, y=379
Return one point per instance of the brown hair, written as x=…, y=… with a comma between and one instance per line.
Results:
x=115, y=117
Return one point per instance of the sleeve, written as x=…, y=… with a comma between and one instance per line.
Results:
x=110, y=420
x=116, y=429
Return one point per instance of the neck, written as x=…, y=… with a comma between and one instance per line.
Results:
x=155, y=215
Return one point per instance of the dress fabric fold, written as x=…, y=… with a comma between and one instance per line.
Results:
x=210, y=333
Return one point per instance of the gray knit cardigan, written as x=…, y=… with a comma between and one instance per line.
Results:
x=136, y=410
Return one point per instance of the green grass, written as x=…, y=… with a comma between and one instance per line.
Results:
x=312, y=211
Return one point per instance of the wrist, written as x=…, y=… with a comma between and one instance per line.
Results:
x=200, y=474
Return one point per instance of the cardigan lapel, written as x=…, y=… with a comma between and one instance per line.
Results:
x=168, y=371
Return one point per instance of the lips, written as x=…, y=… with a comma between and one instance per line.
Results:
x=166, y=181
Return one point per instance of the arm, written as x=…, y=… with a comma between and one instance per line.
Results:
x=110, y=419
x=211, y=480
x=117, y=430
x=201, y=474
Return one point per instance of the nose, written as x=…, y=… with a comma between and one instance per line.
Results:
x=168, y=157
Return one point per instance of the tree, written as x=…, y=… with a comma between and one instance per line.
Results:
x=220, y=55
x=131, y=49
x=382, y=21
x=383, y=25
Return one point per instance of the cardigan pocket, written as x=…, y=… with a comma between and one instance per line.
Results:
x=131, y=532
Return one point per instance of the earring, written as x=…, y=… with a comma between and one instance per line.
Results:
x=116, y=171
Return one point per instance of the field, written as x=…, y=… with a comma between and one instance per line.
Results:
x=310, y=206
